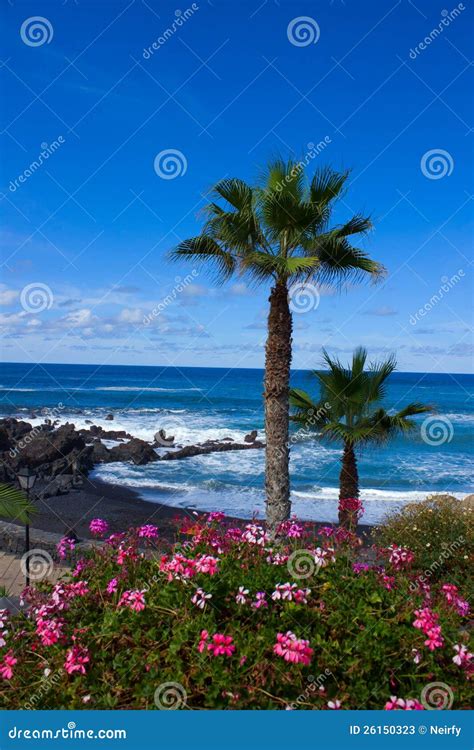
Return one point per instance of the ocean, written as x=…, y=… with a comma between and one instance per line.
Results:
x=196, y=404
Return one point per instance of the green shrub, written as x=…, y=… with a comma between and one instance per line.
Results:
x=440, y=532
x=123, y=630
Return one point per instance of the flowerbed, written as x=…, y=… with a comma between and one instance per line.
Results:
x=226, y=620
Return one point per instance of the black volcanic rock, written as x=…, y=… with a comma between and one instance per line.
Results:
x=137, y=451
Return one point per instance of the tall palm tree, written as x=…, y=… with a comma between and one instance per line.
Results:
x=347, y=411
x=278, y=232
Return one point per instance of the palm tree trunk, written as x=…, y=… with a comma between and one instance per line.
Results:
x=348, y=481
x=277, y=383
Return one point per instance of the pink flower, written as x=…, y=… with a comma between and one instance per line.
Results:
x=200, y=598
x=203, y=641
x=76, y=658
x=64, y=545
x=463, y=657
x=401, y=704
x=112, y=586
x=6, y=668
x=254, y=534
x=207, y=564
x=98, y=527
x=460, y=605
x=400, y=557
x=134, y=600
x=427, y=622
x=335, y=705
x=81, y=565
x=353, y=506
x=148, y=531
x=124, y=554
x=293, y=649
x=49, y=631
x=260, y=600
x=216, y=516
x=241, y=597
x=221, y=645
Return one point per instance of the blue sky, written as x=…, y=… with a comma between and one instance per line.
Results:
x=86, y=232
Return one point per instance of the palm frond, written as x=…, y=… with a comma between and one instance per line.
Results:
x=15, y=505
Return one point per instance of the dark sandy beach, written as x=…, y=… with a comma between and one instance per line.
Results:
x=120, y=506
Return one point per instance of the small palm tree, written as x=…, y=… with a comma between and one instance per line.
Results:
x=347, y=411
x=279, y=233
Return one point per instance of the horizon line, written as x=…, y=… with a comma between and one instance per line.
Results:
x=208, y=367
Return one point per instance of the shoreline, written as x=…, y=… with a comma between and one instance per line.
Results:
x=121, y=507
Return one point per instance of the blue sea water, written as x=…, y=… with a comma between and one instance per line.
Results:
x=196, y=404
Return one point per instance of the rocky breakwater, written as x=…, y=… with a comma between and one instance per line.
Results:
x=62, y=455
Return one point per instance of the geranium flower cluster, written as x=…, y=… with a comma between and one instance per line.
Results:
x=6, y=666
x=458, y=603
x=220, y=645
x=403, y=704
x=352, y=506
x=3, y=626
x=98, y=527
x=322, y=557
x=400, y=557
x=148, y=531
x=427, y=622
x=65, y=545
x=463, y=657
x=255, y=534
x=291, y=529
x=182, y=567
x=292, y=649
x=76, y=659
x=134, y=600
x=290, y=592
x=200, y=598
